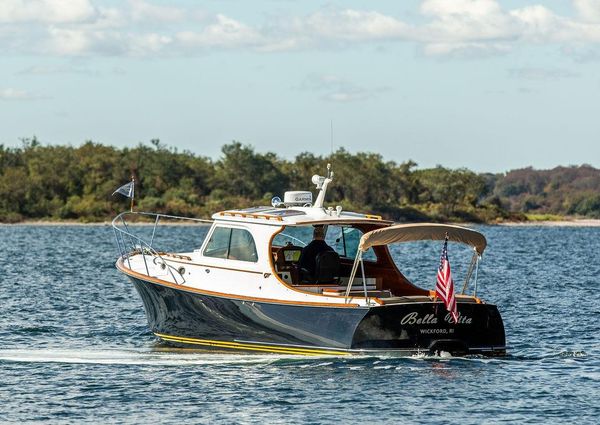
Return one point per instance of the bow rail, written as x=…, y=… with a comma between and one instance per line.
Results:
x=130, y=244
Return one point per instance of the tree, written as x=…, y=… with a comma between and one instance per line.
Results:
x=242, y=172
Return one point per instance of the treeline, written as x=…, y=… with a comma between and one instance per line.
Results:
x=75, y=183
x=562, y=191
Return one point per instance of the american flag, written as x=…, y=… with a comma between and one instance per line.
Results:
x=444, y=287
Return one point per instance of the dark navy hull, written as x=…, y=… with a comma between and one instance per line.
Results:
x=427, y=325
x=194, y=319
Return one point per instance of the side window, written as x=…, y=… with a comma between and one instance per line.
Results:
x=242, y=246
x=231, y=244
x=218, y=244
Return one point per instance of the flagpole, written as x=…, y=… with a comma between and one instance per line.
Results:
x=132, y=191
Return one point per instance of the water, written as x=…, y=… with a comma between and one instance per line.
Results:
x=74, y=345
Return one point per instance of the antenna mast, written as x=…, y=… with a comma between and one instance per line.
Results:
x=322, y=183
x=331, y=138
x=132, y=191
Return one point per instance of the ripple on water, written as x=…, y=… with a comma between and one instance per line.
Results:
x=75, y=346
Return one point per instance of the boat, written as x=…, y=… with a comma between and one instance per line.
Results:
x=241, y=287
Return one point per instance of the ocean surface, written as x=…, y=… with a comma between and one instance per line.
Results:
x=75, y=347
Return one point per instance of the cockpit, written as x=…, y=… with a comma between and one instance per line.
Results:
x=333, y=270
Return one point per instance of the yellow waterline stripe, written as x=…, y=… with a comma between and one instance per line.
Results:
x=230, y=343
x=271, y=350
x=263, y=346
x=253, y=347
x=257, y=347
x=241, y=347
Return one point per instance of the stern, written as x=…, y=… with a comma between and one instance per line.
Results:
x=427, y=326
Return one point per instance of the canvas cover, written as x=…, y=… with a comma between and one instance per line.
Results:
x=422, y=231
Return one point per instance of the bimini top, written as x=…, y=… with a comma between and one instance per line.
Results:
x=422, y=231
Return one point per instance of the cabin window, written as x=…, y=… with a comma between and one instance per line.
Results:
x=241, y=246
x=343, y=239
x=218, y=244
x=232, y=244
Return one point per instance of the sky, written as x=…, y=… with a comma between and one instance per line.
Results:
x=483, y=84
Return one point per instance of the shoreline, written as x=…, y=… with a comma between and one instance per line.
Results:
x=53, y=223
x=542, y=223
x=578, y=222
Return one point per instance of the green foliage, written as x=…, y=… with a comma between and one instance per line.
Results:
x=242, y=172
x=450, y=189
x=543, y=217
x=561, y=191
x=76, y=183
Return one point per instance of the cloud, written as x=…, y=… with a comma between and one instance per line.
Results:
x=144, y=11
x=333, y=88
x=347, y=96
x=541, y=74
x=582, y=52
x=224, y=32
x=457, y=28
x=482, y=25
x=349, y=25
x=56, y=69
x=465, y=49
x=527, y=90
x=18, y=95
x=45, y=11
x=463, y=20
x=589, y=10
x=67, y=41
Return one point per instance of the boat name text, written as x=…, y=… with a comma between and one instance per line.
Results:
x=429, y=319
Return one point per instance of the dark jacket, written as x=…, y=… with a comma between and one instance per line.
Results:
x=309, y=254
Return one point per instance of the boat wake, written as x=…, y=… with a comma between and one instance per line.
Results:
x=159, y=356
x=134, y=357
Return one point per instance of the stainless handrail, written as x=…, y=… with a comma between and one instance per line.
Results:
x=140, y=246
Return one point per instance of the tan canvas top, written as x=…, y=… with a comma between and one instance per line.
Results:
x=422, y=231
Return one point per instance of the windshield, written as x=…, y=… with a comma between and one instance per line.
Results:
x=343, y=239
x=297, y=236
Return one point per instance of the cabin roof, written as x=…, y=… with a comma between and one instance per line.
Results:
x=295, y=216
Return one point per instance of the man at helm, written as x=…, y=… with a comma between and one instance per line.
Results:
x=309, y=253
